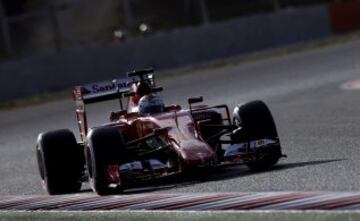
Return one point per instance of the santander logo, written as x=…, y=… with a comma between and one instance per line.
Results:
x=103, y=87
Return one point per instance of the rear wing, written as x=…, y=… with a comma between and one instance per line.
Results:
x=105, y=91
x=101, y=91
x=109, y=90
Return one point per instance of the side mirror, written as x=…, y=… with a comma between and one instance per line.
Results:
x=193, y=100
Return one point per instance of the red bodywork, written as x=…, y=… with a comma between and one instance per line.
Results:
x=158, y=141
x=181, y=133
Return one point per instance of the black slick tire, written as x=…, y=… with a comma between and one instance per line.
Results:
x=256, y=122
x=61, y=162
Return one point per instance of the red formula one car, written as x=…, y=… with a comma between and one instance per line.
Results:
x=148, y=140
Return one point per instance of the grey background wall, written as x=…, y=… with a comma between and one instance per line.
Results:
x=42, y=74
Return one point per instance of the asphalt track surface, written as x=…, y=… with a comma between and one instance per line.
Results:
x=318, y=124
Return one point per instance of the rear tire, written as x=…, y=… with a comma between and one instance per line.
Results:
x=61, y=162
x=104, y=148
x=256, y=123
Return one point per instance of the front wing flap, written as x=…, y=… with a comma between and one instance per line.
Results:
x=251, y=151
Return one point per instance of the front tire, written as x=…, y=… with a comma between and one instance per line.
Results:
x=256, y=122
x=104, y=147
x=61, y=162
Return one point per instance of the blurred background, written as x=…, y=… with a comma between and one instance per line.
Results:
x=113, y=36
x=35, y=26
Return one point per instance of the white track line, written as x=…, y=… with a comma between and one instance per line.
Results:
x=111, y=201
x=228, y=202
x=161, y=202
x=302, y=203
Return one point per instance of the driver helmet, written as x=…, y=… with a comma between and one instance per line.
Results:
x=142, y=89
x=151, y=104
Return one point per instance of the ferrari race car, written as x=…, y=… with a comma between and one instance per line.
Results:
x=144, y=141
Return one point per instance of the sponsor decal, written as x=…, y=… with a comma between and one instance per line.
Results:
x=103, y=87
